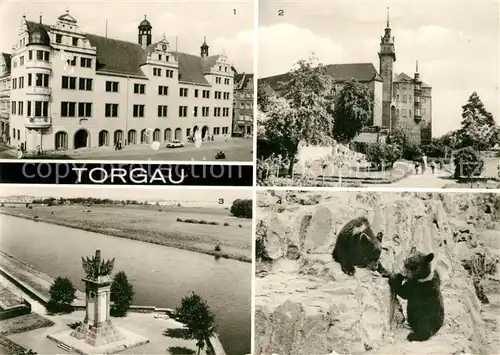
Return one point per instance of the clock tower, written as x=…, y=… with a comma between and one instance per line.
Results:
x=387, y=56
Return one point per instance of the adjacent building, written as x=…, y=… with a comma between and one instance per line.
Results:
x=70, y=89
x=4, y=96
x=399, y=101
x=243, y=104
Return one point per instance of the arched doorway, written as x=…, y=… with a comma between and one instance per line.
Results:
x=103, y=138
x=394, y=118
x=132, y=136
x=178, y=134
x=81, y=139
x=118, y=136
x=204, y=132
x=156, y=135
x=61, y=140
x=144, y=136
x=195, y=129
x=168, y=135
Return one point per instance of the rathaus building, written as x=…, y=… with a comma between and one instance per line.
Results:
x=399, y=100
x=66, y=89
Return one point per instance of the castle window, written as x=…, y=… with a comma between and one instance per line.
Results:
x=183, y=111
x=111, y=110
x=169, y=73
x=29, y=79
x=138, y=110
x=205, y=111
x=195, y=111
x=75, y=41
x=21, y=82
x=206, y=94
x=85, y=84
x=46, y=56
x=85, y=109
x=39, y=55
x=166, y=58
x=225, y=130
x=68, y=82
x=20, y=108
x=183, y=92
x=162, y=111
x=220, y=68
x=21, y=61
x=111, y=86
x=156, y=72
x=163, y=90
x=13, y=107
x=139, y=88
x=86, y=62
x=28, y=109
x=195, y=92
x=159, y=56
x=58, y=38
x=68, y=109
x=30, y=55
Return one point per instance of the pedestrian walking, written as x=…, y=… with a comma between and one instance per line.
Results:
x=433, y=167
x=416, y=167
x=424, y=163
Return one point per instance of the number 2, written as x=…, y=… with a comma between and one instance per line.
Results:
x=281, y=12
x=221, y=201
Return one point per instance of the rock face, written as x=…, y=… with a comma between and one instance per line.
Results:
x=306, y=305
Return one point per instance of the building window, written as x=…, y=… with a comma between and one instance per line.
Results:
x=183, y=92
x=68, y=82
x=21, y=61
x=216, y=131
x=217, y=80
x=46, y=56
x=409, y=113
x=205, y=111
x=139, y=88
x=20, y=108
x=14, y=83
x=111, y=110
x=227, y=81
x=111, y=86
x=169, y=73
x=28, y=109
x=225, y=112
x=195, y=92
x=85, y=84
x=216, y=111
x=58, y=38
x=225, y=130
x=156, y=71
x=75, y=42
x=138, y=110
x=206, y=94
x=85, y=109
x=86, y=62
x=68, y=109
x=195, y=111
x=183, y=111
x=163, y=90
x=21, y=82
x=13, y=107
x=162, y=110
x=43, y=80
x=30, y=55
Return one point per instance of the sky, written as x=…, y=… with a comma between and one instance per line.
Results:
x=228, y=26
x=456, y=44
x=202, y=196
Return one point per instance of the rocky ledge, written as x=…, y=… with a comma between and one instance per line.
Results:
x=306, y=305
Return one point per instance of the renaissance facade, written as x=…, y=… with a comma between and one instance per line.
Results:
x=70, y=89
x=399, y=101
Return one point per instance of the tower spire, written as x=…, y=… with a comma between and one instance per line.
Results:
x=387, y=16
x=416, y=66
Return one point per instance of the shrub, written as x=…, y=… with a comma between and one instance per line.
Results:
x=239, y=225
x=412, y=152
x=179, y=220
x=226, y=224
x=62, y=291
x=468, y=163
x=122, y=294
x=54, y=307
x=242, y=208
x=382, y=156
x=434, y=151
x=217, y=248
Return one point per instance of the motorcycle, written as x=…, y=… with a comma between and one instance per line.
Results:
x=220, y=155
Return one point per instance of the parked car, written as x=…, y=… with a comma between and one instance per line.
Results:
x=175, y=144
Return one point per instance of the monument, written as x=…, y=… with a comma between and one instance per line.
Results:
x=97, y=334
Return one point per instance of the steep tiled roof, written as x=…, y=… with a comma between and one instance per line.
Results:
x=6, y=58
x=402, y=78
x=124, y=57
x=118, y=56
x=241, y=80
x=362, y=72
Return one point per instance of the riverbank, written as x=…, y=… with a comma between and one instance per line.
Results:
x=152, y=225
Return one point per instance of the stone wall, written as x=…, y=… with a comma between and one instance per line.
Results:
x=306, y=305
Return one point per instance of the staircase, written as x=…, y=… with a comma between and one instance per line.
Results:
x=64, y=347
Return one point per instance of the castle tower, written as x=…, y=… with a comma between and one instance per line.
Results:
x=387, y=57
x=145, y=33
x=204, y=48
x=417, y=95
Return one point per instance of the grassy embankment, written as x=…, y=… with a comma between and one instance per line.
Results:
x=154, y=224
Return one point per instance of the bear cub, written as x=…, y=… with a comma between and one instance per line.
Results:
x=420, y=285
x=357, y=245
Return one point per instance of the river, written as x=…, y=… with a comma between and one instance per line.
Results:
x=161, y=276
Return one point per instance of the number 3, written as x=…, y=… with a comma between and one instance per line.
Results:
x=221, y=201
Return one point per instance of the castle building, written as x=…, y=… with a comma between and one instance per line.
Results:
x=399, y=101
x=243, y=104
x=70, y=89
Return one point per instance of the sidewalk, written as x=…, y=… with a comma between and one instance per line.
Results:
x=426, y=180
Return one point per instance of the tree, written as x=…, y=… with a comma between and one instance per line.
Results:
x=302, y=114
x=264, y=95
x=62, y=294
x=398, y=137
x=122, y=294
x=242, y=208
x=468, y=163
x=197, y=317
x=383, y=155
x=352, y=111
x=478, y=128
